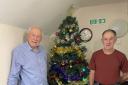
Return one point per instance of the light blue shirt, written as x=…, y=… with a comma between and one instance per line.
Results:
x=28, y=67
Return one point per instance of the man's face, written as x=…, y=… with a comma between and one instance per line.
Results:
x=34, y=37
x=108, y=40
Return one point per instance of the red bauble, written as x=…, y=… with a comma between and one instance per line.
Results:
x=57, y=33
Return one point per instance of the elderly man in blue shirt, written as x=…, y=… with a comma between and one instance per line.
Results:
x=29, y=61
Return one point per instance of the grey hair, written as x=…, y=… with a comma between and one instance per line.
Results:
x=30, y=28
x=27, y=32
x=110, y=30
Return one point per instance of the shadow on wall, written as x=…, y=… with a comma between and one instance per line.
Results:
x=25, y=36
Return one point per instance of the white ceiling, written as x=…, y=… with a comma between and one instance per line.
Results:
x=47, y=14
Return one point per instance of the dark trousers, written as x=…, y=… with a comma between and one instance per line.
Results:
x=124, y=83
x=97, y=83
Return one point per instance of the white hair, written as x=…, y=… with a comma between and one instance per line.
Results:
x=30, y=28
x=28, y=31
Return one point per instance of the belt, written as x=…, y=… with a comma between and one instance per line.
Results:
x=124, y=83
x=98, y=83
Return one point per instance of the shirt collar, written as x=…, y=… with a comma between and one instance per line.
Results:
x=33, y=50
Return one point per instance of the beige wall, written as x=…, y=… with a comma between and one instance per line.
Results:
x=10, y=37
x=110, y=12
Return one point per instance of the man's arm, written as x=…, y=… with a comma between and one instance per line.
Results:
x=15, y=70
x=124, y=77
x=91, y=77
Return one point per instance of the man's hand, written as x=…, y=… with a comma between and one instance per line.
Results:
x=124, y=77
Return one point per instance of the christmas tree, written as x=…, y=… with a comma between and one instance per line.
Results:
x=67, y=58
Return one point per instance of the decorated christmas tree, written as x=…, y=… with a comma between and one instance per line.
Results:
x=68, y=65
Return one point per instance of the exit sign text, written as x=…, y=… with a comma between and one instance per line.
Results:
x=97, y=21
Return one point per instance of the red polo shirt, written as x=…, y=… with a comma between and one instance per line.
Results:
x=107, y=67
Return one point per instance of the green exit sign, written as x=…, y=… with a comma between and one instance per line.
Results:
x=97, y=21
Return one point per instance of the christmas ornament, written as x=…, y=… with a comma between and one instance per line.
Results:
x=77, y=39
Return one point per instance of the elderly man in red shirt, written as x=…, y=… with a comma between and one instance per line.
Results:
x=106, y=63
